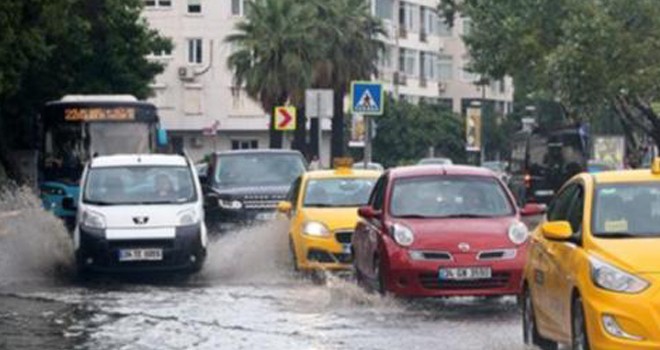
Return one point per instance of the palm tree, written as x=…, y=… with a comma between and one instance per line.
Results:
x=274, y=55
x=351, y=49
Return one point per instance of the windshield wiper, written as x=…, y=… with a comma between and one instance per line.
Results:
x=319, y=205
x=465, y=215
x=87, y=201
x=413, y=216
x=617, y=235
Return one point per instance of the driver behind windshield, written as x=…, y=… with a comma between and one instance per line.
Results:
x=164, y=187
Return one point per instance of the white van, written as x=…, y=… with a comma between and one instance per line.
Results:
x=140, y=212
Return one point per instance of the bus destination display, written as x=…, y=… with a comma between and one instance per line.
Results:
x=99, y=114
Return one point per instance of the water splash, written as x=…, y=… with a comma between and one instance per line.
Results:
x=34, y=244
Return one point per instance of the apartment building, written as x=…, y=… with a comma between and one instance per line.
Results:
x=204, y=111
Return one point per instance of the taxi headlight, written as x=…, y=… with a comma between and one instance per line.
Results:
x=518, y=233
x=230, y=204
x=316, y=229
x=188, y=217
x=614, y=279
x=93, y=219
x=402, y=235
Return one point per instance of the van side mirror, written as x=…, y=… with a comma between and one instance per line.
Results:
x=368, y=212
x=531, y=209
x=68, y=203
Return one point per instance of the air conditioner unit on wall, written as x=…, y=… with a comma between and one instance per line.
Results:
x=400, y=78
x=196, y=142
x=442, y=86
x=186, y=73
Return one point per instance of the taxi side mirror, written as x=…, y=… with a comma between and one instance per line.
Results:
x=284, y=207
x=531, y=209
x=368, y=212
x=557, y=230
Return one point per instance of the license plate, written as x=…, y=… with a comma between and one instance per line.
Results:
x=466, y=273
x=140, y=254
x=265, y=216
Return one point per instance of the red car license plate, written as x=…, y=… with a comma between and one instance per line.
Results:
x=465, y=273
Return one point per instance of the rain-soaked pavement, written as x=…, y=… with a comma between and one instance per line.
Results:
x=245, y=298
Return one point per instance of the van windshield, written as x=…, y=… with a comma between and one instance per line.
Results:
x=131, y=185
x=258, y=169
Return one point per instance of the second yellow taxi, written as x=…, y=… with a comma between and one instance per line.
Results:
x=592, y=278
x=322, y=212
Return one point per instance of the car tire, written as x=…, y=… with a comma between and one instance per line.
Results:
x=579, y=336
x=531, y=334
x=379, y=283
x=294, y=257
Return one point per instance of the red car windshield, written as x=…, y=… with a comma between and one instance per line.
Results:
x=449, y=196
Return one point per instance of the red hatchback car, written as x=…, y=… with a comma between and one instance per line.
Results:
x=441, y=231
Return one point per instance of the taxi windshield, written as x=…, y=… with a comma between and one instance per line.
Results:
x=449, y=196
x=627, y=210
x=344, y=192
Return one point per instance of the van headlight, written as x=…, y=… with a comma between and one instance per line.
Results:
x=316, y=229
x=518, y=233
x=614, y=279
x=230, y=204
x=188, y=217
x=403, y=235
x=93, y=219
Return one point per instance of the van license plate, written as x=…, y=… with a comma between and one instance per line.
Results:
x=467, y=273
x=265, y=216
x=140, y=254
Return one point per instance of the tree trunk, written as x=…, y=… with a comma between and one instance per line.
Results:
x=275, y=136
x=337, y=147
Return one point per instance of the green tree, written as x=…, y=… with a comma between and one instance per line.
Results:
x=590, y=55
x=406, y=131
x=349, y=51
x=275, y=50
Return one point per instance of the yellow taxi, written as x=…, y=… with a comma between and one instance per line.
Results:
x=321, y=209
x=592, y=277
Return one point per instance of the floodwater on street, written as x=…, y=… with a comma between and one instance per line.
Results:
x=245, y=298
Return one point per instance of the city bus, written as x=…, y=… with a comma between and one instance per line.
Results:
x=78, y=127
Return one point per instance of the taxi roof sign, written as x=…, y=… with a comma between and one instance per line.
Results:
x=342, y=163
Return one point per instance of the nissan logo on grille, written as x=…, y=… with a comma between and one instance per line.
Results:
x=140, y=220
x=464, y=247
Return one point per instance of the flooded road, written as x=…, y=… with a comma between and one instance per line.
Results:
x=245, y=298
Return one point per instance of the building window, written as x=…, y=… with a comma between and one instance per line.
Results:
x=467, y=25
x=237, y=7
x=409, y=16
x=384, y=9
x=444, y=67
x=427, y=65
x=408, y=61
x=244, y=144
x=428, y=17
x=385, y=57
x=441, y=27
x=158, y=3
x=195, y=51
x=194, y=6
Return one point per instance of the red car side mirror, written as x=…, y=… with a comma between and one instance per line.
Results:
x=368, y=212
x=531, y=209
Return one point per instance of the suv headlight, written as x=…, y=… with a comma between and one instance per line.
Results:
x=614, y=279
x=402, y=235
x=316, y=229
x=188, y=217
x=518, y=233
x=230, y=204
x=93, y=219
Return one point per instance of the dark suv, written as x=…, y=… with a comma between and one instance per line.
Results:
x=244, y=187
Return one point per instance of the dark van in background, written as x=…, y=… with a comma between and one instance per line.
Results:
x=244, y=186
x=541, y=161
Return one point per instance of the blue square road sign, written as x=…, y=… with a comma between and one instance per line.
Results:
x=367, y=98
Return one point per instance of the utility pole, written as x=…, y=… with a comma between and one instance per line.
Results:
x=396, y=23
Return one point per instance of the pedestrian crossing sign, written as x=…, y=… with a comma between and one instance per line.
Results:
x=367, y=98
